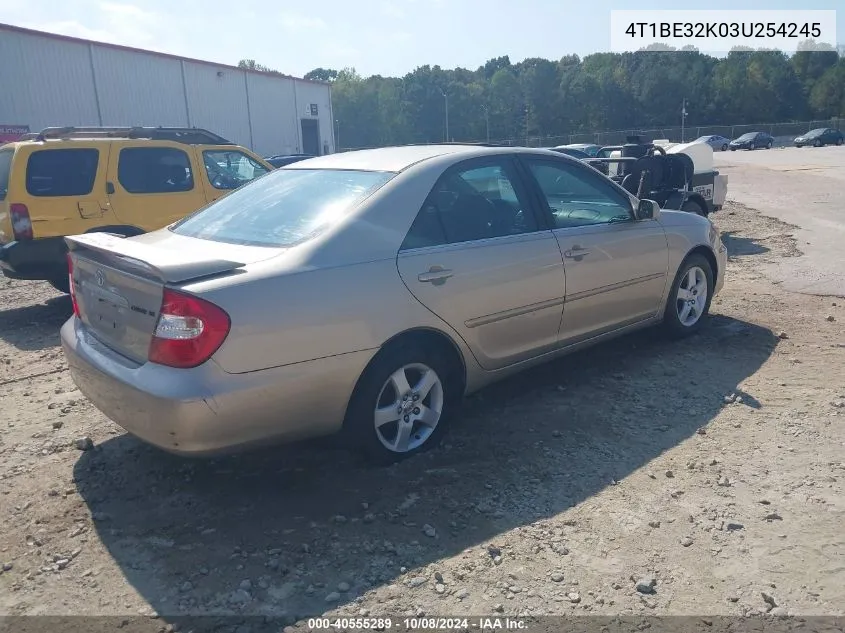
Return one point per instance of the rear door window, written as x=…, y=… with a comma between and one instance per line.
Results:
x=62, y=172
x=5, y=167
x=154, y=170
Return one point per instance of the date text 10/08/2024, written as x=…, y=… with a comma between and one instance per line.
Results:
x=760, y=30
x=479, y=624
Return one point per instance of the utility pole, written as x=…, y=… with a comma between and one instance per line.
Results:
x=337, y=136
x=683, y=118
x=487, y=120
x=446, y=100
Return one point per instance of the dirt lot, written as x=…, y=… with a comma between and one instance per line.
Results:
x=641, y=477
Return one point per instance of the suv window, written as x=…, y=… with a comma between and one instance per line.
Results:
x=469, y=204
x=229, y=169
x=61, y=172
x=154, y=170
x=578, y=196
x=286, y=207
x=5, y=167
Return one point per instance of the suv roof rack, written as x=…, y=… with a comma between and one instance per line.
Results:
x=187, y=135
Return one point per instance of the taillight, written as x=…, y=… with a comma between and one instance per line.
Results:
x=188, y=331
x=70, y=285
x=21, y=224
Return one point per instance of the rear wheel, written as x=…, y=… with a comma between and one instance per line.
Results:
x=691, y=206
x=839, y=141
x=689, y=298
x=725, y=147
x=769, y=145
x=402, y=403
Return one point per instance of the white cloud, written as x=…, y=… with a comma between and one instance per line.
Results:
x=391, y=9
x=297, y=22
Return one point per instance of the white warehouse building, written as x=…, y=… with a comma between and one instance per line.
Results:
x=53, y=80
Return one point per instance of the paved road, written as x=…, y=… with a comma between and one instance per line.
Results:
x=804, y=187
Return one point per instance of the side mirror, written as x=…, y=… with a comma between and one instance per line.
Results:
x=648, y=210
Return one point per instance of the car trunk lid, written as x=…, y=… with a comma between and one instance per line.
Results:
x=119, y=282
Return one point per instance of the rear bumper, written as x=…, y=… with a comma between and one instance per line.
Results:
x=37, y=259
x=206, y=411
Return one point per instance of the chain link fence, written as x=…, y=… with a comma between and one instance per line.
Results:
x=783, y=133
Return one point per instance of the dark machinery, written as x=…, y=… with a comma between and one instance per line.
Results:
x=669, y=178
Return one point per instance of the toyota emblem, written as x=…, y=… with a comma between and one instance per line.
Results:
x=101, y=278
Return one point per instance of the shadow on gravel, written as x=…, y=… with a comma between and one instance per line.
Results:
x=742, y=246
x=35, y=327
x=276, y=532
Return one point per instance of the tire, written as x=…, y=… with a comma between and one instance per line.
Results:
x=62, y=284
x=673, y=325
x=839, y=141
x=691, y=206
x=769, y=145
x=725, y=147
x=377, y=390
x=817, y=143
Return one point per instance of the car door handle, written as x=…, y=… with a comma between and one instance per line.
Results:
x=435, y=275
x=576, y=253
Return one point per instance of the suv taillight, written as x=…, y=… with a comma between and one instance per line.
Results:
x=72, y=288
x=21, y=224
x=188, y=331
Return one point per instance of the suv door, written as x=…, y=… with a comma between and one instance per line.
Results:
x=616, y=267
x=478, y=257
x=152, y=185
x=226, y=169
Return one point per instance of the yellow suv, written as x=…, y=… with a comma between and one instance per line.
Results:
x=66, y=181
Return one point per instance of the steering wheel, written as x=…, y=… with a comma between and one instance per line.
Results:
x=222, y=181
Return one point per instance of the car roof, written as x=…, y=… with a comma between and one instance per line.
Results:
x=396, y=159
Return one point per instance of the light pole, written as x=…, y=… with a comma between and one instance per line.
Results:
x=337, y=136
x=446, y=101
x=487, y=120
x=683, y=118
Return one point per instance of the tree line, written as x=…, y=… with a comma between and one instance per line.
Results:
x=603, y=91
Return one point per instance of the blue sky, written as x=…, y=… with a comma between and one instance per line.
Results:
x=387, y=37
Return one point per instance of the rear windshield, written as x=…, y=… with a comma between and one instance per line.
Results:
x=284, y=207
x=5, y=167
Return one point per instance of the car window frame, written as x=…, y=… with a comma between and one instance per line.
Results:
x=539, y=198
x=522, y=191
x=188, y=158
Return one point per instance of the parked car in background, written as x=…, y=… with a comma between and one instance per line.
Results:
x=820, y=136
x=718, y=143
x=588, y=148
x=366, y=292
x=64, y=181
x=752, y=140
x=281, y=160
x=571, y=151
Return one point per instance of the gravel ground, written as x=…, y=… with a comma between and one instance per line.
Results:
x=640, y=477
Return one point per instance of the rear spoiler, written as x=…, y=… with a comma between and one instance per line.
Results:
x=169, y=265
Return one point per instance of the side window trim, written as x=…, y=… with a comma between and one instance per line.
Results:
x=512, y=170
